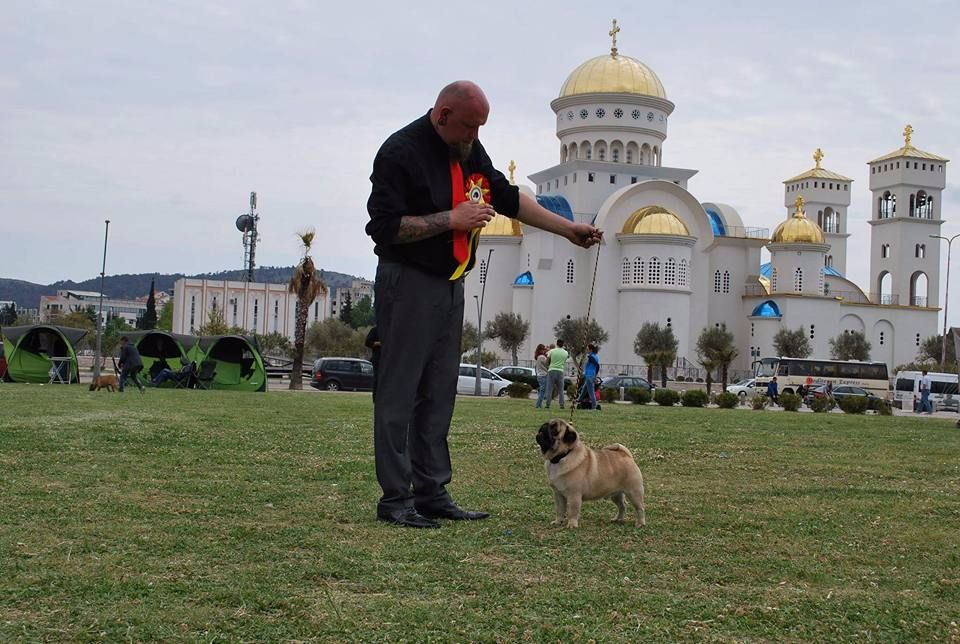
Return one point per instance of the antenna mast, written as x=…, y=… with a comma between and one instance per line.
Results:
x=247, y=224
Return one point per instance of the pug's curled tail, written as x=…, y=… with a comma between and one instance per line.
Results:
x=617, y=447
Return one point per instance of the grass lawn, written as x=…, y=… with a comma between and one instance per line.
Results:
x=185, y=515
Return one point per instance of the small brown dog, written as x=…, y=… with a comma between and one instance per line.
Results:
x=110, y=383
x=578, y=473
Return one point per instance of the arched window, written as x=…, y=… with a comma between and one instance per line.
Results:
x=483, y=271
x=798, y=280
x=829, y=221
x=888, y=205
x=828, y=260
x=716, y=281
x=913, y=207
x=633, y=152
x=639, y=268
x=682, y=273
x=921, y=250
x=924, y=205
x=821, y=278
x=601, y=150
x=884, y=293
x=884, y=250
x=773, y=281
x=616, y=151
x=586, y=150
x=656, y=156
x=670, y=272
x=645, y=154
x=918, y=289
x=625, y=272
x=570, y=271
x=726, y=281
x=653, y=275
x=563, y=153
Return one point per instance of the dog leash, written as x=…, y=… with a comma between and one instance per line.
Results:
x=593, y=283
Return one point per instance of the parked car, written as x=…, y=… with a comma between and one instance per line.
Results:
x=839, y=392
x=334, y=374
x=743, y=388
x=489, y=381
x=514, y=373
x=627, y=382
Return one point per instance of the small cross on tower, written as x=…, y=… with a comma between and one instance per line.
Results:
x=613, y=34
x=799, y=205
x=818, y=157
x=907, y=135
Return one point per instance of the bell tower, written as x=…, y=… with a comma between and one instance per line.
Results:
x=827, y=196
x=906, y=185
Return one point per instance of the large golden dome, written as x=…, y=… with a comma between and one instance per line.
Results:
x=613, y=73
x=655, y=220
x=503, y=226
x=798, y=229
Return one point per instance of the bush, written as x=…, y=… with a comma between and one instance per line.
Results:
x=666, y=397
x=699, y=380
x=693, y=398
x=758, y=402
x=790, y=402
x=679, y=378
x=609, y=395
x=821, y=404
x=727, y=400
x=853, y=404
x=519, y=390
x=638, y=395
x=880, y=406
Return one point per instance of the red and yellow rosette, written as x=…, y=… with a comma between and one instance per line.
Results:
x=478, y=192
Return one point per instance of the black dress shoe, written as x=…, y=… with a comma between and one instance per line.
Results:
x=407, y=517
x=452, y=512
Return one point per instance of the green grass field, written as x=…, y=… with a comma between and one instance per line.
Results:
x=185, y=515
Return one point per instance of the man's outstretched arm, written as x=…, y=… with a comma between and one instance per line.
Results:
x=533, y=214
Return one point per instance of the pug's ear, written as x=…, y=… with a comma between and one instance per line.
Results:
x=544, y=428
x=570, y=436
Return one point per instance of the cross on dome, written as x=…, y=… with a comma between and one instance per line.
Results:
x=818, y=157
x=799, y=207
x=907, y=135
x=613, y=34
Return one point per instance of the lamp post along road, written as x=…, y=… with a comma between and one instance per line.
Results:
x=103, y=271
x=483, y=289
x=946, y=298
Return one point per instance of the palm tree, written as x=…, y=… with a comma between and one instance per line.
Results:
x=307, y=285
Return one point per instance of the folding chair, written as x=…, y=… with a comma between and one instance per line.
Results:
x=208, y=369
x=185, y=378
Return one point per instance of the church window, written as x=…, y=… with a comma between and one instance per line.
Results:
x=574, y=177
x=924, y=166
x=193, y=311
x=629, y=156
x=638, y=271
x=918, y=340
x=682, y=273
x=483, y=271
x=584, y=114
x=625, y=272
x=798, y=280
x=590, y=177
x=570, y=271
x=601, y=154
x=845, y=186
x=753, y=329
x=670, y=272
x=898, y=165
x=669, y=323
x=635, y=114
x=618, y=113
x=716, y=282
x=276, y=316
x=812, y=331
x=923, y=206
x=921, y=251
x=528, y=260
x=633, y=179
x=613, y=178
x=821, y=275
x=814, y=184
x=881, y=338
x=726, y=281
x=885, y=250
x=256, y=310
x=615, y=155
x=565, y=179
x=653, y=276
x=873, y=170
x=914, y=165
x=773, y=280
x=601, y=112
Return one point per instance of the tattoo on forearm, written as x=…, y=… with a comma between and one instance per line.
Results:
x=413, y=228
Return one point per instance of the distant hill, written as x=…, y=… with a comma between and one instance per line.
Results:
x=129, y=286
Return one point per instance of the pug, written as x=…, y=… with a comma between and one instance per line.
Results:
x=110, y=383
x=578, y=473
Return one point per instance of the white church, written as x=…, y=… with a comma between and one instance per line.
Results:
x=669, y=258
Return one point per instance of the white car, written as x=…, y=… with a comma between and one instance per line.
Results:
x=743, y=388
x=490, y=383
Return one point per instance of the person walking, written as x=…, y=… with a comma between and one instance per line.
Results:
x=557, y=359
x=433, y=189
x=541, y=365
x=925, y=404
x=773, y=391
x=590, y=371
x=130, y=364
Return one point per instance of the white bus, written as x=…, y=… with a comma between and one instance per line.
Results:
x=943, y=390
x=793, y=372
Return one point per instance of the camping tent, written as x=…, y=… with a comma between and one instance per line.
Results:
x=239, y=363
x=161, y=349
x=29, y=350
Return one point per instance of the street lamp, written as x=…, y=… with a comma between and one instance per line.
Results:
x=103, y=271
x=483, y=290
x=946, y=297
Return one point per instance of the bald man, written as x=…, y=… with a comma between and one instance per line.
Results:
x=434, y=188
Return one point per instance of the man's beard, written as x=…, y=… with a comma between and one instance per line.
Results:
x=461, y=151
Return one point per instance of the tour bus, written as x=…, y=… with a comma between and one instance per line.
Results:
x=793, y=372
x=943, y=390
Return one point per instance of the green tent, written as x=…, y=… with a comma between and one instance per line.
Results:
x=162, y=350
x=239, y=363
x=29, y=350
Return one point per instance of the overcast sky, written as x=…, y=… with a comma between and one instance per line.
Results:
x=162, y=116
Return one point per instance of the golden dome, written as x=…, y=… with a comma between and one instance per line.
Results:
x=503, y=226
x=613, y=73
x=655, y=220
x=797, y=229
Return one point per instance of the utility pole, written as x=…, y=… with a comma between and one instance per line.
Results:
x=103, y=272
x=946, y=298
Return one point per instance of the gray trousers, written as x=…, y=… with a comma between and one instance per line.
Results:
x=419, y=322
x=554, y=379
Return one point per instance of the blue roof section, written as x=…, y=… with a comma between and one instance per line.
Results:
x=524, y=279
x=767, y=309
x=766, y=270
x=557, y=204
x=716, y=223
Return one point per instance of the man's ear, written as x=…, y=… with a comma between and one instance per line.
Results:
x=570, y=436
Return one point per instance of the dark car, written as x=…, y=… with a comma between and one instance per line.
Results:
x=627, y=382
x=839, y=392
x=334, y=374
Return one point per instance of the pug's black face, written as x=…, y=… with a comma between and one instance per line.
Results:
x=554, y=433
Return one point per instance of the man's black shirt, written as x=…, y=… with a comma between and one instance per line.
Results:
x=411, y=176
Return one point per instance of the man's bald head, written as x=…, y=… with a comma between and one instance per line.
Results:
x=459, y=111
